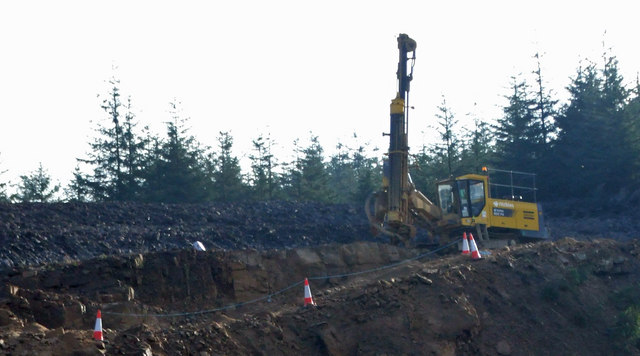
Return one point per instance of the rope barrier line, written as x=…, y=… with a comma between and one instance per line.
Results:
x=269, y=296
x=231, y=306
x=381, y=268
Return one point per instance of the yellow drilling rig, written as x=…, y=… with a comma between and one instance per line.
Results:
x=498, y=206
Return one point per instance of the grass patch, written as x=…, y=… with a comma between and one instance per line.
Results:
x=552, y=290
x=626, y=332
x=577, y=276
x=626, y=297
x=549, y=294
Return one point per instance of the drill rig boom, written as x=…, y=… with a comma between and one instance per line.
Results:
x=398, y=140
x=399, y=204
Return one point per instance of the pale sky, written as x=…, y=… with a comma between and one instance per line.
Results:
x=279, y=67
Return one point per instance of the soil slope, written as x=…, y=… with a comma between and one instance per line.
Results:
x=560, y=297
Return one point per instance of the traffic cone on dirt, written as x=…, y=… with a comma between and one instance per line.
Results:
x=97, y=331
x=475, y=254
x=308, y=299
x=465, y=244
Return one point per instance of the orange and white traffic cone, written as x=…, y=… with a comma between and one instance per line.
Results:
x=465, y=244
x=308, y=299
x=97, y=331
x=475, y=254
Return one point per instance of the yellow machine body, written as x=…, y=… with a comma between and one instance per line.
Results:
x=474, y=205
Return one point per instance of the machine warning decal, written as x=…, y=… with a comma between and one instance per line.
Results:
x=503, y=212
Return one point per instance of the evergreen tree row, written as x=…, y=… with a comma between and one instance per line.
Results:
x=127, y=164
x=586, y=148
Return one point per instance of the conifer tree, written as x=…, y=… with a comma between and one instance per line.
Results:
x=439, y=160
x=342, y=174
x=368, y=174
x=177, y=172
x=36, y=187
x=574, y=162
x=614, y=100
x=449, y=149
x=115, y=154
x=477, y=150
x=544, y=108
x=631, y=126
x=3, y=193
x=516, y=132
x=428, y=166
x=104, y=155
x=353, y=176
x=227, y=175
x=133, y=157
x=3, y=189
x=307, y=178
x=590, y=156
x=77, y=190
x=292, y=175
x=314, y=176
x=263, y=177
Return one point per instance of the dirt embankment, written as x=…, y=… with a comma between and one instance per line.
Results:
x=555, y=298
x=244, y=296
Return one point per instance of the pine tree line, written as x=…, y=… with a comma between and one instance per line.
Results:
x=586, y=148
x=127, y=164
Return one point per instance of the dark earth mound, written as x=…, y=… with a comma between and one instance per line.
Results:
x=35, y=234
x=60, y=263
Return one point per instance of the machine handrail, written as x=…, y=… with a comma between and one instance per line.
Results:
x=511, y=186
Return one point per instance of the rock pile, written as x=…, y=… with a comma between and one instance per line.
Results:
x=36, y=234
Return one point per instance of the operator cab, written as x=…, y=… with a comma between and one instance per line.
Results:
x=463, y=197
x=503, y=203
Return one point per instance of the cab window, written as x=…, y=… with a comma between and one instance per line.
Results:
x=445, y=195
x=476, y=194
x=471, y=193
x=463, y=192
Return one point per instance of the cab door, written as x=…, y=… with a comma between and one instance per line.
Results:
x=472, y=197
x=447, y=197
